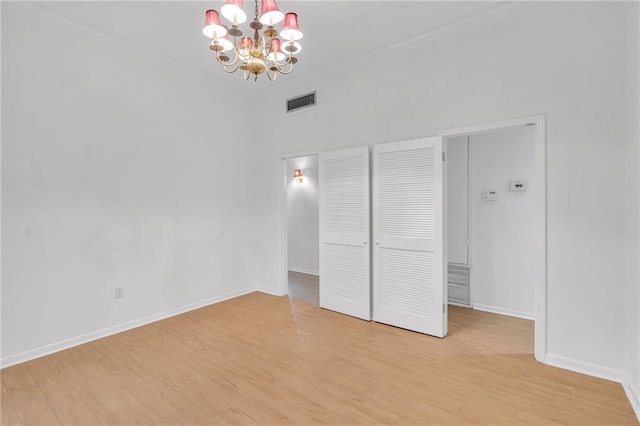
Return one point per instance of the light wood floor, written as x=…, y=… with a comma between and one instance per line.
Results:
x=260, y=359
x=304, y=287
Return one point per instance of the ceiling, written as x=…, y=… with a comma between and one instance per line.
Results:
x=334, y=31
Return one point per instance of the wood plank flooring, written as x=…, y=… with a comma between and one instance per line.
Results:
x=304, y=287
x=260, y=359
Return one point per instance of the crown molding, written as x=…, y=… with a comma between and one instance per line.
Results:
x=125, y=44
x=423, y=39
x=444, y=30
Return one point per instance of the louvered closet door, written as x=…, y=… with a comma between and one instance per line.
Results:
x=345, y=284
x=408, y=264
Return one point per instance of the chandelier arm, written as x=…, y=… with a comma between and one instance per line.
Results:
x=288, y=71
x=236, y=52
x=230, y=70
x=227, y=64
x=275, y=74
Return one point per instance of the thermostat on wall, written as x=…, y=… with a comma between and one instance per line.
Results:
x=518, y=185
x=490, y=195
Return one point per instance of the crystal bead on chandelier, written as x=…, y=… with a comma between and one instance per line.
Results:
x=258, y=54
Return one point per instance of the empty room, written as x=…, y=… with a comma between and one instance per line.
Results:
x=320, y=212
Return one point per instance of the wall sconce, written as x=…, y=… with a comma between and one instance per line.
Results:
x=298, y=175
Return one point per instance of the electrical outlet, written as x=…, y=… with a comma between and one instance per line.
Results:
x=119, y=292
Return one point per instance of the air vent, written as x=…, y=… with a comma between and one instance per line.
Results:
x=303, y=101
x=458, y=284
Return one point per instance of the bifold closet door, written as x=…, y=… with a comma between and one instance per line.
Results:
x=408, y=218
x=345, y=282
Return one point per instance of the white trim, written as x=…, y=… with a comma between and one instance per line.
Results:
x=462, y=305
x=503, y=311
x=477, y=129
x=605, y=373
x=304, y=270
x=99, y=334
x=471, y=223
x=462, y=23
x=585, y=368
x=540, y=173
x=445, y=238
x=128, y=45
x=283, y=261
x=269, y=291
x=420, y=40
x=633, y=395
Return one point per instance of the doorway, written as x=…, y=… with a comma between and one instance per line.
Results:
x=496, y=230
x=537, y=225
x=301, y=226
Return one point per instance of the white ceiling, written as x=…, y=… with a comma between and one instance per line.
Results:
x=334, y=31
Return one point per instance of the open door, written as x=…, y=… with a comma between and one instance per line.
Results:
x=409, y=259
x=345, y=284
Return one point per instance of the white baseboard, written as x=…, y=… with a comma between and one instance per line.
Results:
x=504, y=311
x=585, y=368
x=462, y=305
x=594, y=370
x=94, y=335
x=633, y=395
x=270, y=291
x=304, y=270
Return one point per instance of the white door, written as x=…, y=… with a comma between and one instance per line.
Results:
x=345, y=284
x=409, y=259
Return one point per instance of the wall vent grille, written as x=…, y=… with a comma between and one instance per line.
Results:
x=302, y=101
x=458, y=284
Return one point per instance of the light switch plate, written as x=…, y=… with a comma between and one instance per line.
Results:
x=518, y=185
x=490, y=195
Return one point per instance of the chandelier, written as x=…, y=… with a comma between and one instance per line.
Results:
x=258, y=54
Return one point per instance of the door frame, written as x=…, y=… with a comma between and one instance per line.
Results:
x=283, y=181
x=540, y=225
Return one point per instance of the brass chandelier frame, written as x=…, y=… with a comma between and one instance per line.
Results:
x=256, y=57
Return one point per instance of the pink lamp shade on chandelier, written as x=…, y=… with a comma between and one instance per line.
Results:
x=275, y=51
x=291, y=30
x=246, y=43
x=212, y=26
x=271, y=14
x=268, y=47
x=233, y=11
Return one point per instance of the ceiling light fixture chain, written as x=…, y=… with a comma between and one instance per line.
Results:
x=255, y=55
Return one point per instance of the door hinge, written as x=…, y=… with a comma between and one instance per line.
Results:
x=443, y=156
x=444, y=307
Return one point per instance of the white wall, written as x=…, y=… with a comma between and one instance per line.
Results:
x=457, y=200
x=302, y=216
x=564, y=59
x=116, y=171
x=632, y=296
x=502, y=231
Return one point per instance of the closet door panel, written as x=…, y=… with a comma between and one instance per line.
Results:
x=345, y=281
x=408, y=255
